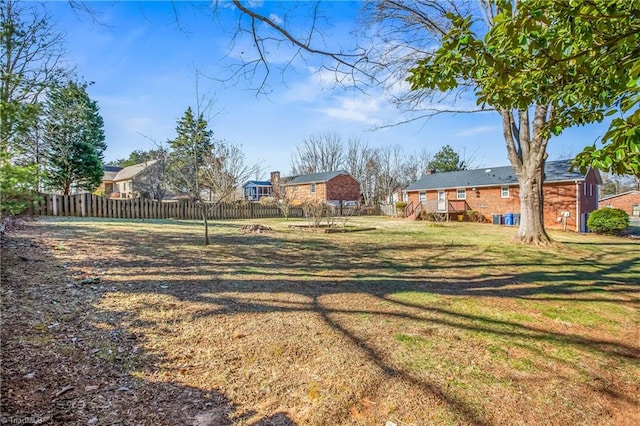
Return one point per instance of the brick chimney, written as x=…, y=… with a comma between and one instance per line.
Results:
x=275, y=184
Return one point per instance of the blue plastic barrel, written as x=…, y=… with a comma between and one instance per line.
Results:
x=508, y=219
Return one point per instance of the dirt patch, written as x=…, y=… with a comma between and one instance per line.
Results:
x=254, y=229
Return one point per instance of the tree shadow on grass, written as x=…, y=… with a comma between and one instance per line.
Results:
x=318, y=268
x=227, y=300
x=66, y=362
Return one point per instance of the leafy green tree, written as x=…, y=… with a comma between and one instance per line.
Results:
x=75, y=136
x=31, y=61
x=543, y=66
x=446, y=160
x=192, y=143
x=620, y=152
x=16, y=188
x=587, y=56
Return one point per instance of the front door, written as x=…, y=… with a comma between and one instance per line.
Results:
x=442, y=202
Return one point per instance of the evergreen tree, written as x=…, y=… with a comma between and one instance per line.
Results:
x=31, y=61
x=446, y=160
x=75, y=137
x=192, y=143
x=138, y=156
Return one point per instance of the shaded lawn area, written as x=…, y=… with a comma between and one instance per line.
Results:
x=410, y=323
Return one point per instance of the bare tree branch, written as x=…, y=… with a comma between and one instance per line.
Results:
x=318, y=153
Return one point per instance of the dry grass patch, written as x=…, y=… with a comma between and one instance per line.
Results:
x=409, y=323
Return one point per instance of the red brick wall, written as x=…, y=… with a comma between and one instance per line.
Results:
x=624, y=202
x=486, y=201
x=343, y=188
x=298, y=194
x=558, y=198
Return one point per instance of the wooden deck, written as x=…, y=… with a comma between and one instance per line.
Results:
x=444, y=208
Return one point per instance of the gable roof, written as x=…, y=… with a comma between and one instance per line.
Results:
x=622, y=194
x=555, y=171
x=125, y=173
x=110, y=172
x=316, y=177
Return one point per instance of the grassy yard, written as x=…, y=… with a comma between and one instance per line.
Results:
x=410, y=323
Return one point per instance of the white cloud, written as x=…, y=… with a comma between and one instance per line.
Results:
x=361, y=109
x=318, y=83
x=477, y=130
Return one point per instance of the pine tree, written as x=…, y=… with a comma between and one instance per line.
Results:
x=446, y=160
x=192, y=143
x=75, y=136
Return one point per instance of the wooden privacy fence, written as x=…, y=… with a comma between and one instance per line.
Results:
x=388, y=209
x=89, y=205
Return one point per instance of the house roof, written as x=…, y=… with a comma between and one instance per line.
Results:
x=126, y=173
x=110, y=172
x=257, y=183
x=316, y=177
x=622, y=194
x=555, y=171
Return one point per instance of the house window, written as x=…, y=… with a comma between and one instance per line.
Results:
x=635, y=210
x=422, y=197
x=313, y=188
x=591, y=190
x=504, y=192
x=461, y=194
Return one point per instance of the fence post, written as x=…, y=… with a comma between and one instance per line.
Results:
x=66, y=203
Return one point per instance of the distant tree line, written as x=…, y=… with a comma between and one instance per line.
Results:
x=617, y=184
x=380, y=170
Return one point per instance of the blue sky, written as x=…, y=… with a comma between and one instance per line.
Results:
x=143, y=64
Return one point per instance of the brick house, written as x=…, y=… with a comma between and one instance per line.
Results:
x=493, y=193
x=628, y=201
x=126, y=182
x=334, y=187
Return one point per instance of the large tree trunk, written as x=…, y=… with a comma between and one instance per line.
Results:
x=531, y=229
x=526, y=147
